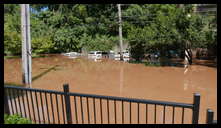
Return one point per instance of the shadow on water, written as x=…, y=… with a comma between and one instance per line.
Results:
x=45, y=72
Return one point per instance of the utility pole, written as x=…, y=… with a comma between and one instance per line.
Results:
x=120, y=31
x=26, y=45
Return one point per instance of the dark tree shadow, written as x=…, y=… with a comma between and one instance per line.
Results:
x=160, y=63
x=208, y=63
x=176, y=63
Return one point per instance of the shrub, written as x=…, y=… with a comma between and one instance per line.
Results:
x=15, y=119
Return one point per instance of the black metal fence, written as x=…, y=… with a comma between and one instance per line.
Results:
x=209, y=117
x=57, y=107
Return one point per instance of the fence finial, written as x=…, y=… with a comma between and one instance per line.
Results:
x=209, y=116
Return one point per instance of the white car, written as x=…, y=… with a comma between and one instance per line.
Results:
x=95, y=54
x=126, y=54
x=71, y=54
x=117, y=55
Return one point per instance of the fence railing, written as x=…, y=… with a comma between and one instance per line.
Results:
x=57, y=107
x=209, y=117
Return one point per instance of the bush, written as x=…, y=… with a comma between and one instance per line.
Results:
x=15, y=119
x=137, y=50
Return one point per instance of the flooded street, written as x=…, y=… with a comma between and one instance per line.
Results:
x=114, y=78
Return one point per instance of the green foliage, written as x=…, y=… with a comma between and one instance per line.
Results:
x=57, y=28
x=12, y=39
x=42, y=44
x=168, y=27
x=99, y=42
x=12, y=43
x=15, y=119
x=68, y=31
x=159, y=34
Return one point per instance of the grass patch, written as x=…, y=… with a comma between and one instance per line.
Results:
x=38, y=56
x=11, y=57
x=14, y=84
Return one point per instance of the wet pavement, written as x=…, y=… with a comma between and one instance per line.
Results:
x=114, y=78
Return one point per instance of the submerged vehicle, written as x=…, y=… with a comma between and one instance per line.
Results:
x=126, y=54
x=71, y=54
x=95, y=54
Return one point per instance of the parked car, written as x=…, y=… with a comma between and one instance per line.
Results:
x=173, y=53
x=71, y=54
x=117, y=55
x=95, y=54
x=126, y=54
x=111, y=54
x=105, y=55
x=152, y=56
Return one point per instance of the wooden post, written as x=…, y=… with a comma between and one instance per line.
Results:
x=120, y=31
x=26, y=45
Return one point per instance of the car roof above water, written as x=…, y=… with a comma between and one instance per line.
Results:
x=92, y=52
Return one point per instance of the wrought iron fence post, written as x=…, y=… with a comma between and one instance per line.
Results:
x=67, y=103
x=196, y=107
x=209, y=116
x=6, y=106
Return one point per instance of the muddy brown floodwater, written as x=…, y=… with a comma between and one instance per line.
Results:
x=114, y=78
